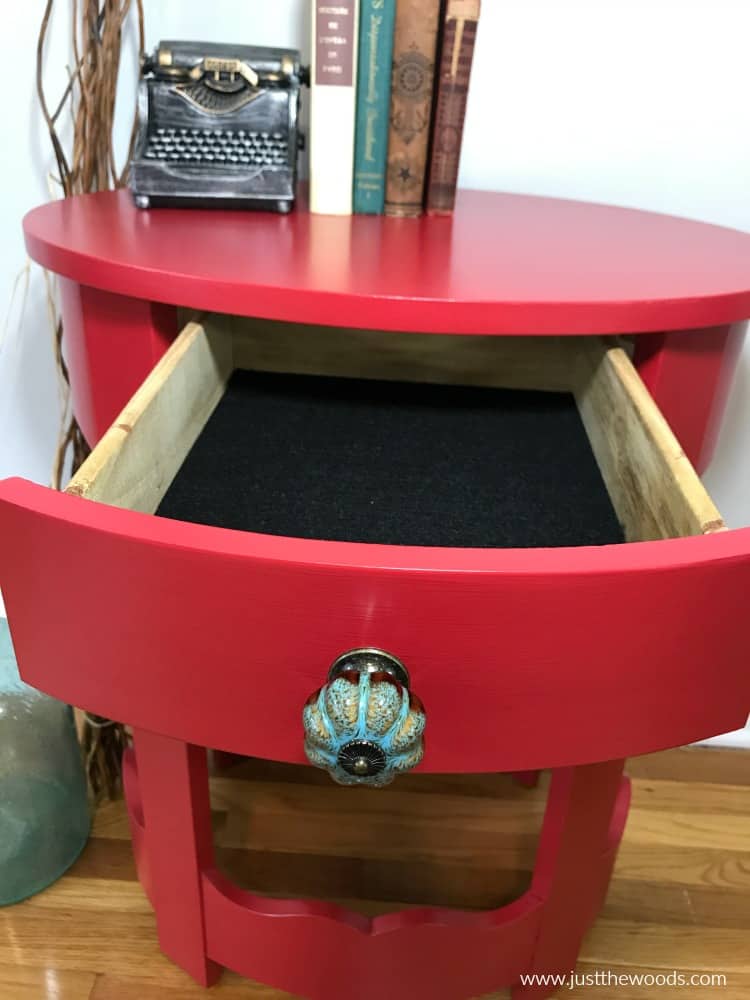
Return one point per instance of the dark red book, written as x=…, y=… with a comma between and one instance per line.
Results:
x=452, y=83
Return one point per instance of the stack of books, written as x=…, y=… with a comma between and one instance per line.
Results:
x=389, y=82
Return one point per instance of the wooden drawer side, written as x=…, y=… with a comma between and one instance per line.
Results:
x=654, y=488
x=137, y=459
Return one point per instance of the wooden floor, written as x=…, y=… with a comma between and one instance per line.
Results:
x=680, y=899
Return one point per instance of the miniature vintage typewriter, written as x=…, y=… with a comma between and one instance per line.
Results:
x=217, y=127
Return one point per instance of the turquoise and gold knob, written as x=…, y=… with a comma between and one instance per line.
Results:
x=364, y=725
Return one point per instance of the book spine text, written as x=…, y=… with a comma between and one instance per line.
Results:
x=332, y=105
x=377, y=19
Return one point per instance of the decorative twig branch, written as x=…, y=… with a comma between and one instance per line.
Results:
x=90, y=95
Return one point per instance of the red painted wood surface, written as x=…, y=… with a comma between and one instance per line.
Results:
x=324, y=952
x=584, y=821
x=689, y=374
x=503, y=264
x=111, y=344
x=173, y=793
x=523, y=658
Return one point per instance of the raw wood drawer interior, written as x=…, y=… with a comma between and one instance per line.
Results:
x=551, y=440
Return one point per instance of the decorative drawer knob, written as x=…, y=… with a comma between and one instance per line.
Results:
x=364, y=725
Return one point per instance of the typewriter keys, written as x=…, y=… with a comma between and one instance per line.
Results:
x=218, y=146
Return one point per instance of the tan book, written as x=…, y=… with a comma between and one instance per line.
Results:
x=414, y=50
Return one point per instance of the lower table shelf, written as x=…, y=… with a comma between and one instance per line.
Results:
x=322, y=951
x=278, y=829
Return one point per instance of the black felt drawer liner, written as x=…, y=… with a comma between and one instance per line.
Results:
x=396, y=463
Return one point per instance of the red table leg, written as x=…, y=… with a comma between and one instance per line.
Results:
x=173, y=792
x=583, y=825
x=111, y=343
x=689, y=374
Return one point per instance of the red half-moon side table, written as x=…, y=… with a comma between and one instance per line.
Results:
x=197, y=636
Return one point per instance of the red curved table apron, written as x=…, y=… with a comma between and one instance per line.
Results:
x=126, y=596
x=502, y=265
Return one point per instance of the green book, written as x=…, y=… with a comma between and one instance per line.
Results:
x=373, y=104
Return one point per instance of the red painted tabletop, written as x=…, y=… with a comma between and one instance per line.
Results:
x=504, y=264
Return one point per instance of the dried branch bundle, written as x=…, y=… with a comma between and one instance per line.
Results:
x=89, y=97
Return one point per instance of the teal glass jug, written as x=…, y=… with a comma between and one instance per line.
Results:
x=44, y=812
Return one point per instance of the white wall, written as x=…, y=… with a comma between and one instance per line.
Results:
x=634, y=102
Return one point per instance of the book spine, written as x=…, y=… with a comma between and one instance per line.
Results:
x=414, y=50
x=332, y=105
x=376, y=21
x=452, y=83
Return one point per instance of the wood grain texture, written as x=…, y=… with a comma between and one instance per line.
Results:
x=21, y=983
x=654, y=488
x=136, y=460
x=718, y=767
x=551, y=363
x=92, y=936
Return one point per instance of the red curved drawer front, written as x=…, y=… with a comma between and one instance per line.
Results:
x=523, y=658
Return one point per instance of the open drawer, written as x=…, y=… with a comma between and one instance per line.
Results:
x=614, y=626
